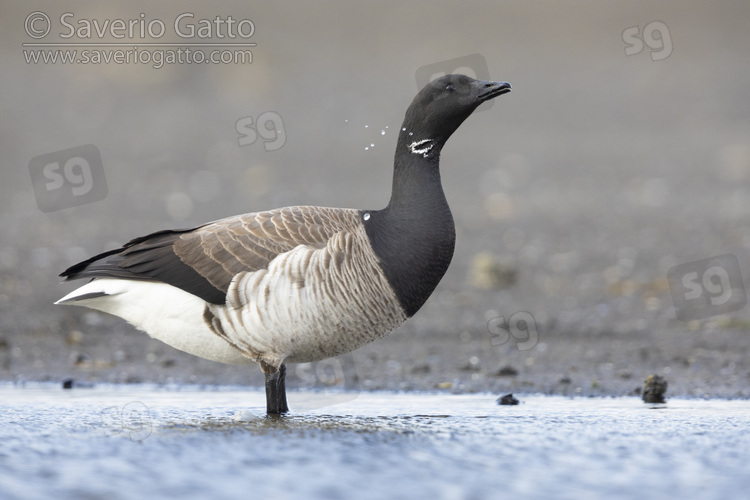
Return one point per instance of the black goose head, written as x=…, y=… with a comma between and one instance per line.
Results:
x=441, y=107
x=414, y=236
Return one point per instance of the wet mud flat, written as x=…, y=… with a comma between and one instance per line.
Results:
x=138, y=441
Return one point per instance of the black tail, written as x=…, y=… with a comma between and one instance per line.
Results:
x=149, y=258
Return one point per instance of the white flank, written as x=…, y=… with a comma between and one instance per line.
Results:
x=164, y=312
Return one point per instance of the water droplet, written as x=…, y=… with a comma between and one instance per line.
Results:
x=411, y=133
x=382, y=132
x=372, y=145
x=366, y=149
x=366, y=216
x=403, y=129
x=346, y=121
x=367, y=126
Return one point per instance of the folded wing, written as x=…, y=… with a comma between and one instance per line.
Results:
x=203, y=260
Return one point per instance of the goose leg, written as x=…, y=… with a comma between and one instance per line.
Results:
x=276, y=391
x=283, y=408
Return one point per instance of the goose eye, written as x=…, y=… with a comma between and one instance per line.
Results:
x=450, y=87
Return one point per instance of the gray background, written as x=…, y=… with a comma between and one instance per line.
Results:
x=596, y=175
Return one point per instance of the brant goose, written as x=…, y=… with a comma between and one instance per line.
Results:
x=296, y=284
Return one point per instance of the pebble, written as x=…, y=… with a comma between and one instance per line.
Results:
x=508, y=399
x=654, y=389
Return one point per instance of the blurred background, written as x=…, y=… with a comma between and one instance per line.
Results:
x=622, y=152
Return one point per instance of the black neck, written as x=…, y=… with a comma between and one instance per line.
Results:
x=416, y=175
x=414, y=235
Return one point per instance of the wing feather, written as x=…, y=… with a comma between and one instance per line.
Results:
x=204, y=260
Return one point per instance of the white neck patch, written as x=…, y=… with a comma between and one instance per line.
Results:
x=422, y=147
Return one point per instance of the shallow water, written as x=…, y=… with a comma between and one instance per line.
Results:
x=144, y=442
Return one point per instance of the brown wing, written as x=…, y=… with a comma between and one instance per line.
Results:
x=203, y=260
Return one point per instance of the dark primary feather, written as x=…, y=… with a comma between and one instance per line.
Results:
x=152, y=258
x=203, y=260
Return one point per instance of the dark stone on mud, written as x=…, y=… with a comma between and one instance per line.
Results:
x=506, y=371
x=654, y=389
x=508, y=399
